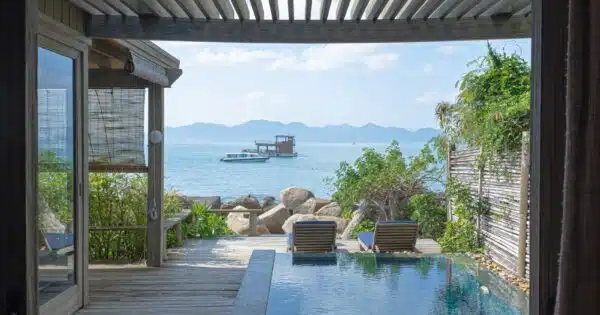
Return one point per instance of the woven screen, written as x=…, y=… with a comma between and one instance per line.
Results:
x=116, y=130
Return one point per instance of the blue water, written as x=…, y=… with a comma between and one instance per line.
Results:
x=195, y=169
x=359, y=283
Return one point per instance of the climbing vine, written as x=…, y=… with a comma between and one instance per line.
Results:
x=460, y=235
x=492, y=109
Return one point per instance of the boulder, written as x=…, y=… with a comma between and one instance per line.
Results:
x=268, y=203
x=321, y=203
x=240, y=225
x=249, y=202
x=332, y=210
x=275, y=218
x=292, y=197
x=308, y=207
x=289, y=223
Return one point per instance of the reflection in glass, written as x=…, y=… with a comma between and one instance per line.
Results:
x=56, y=170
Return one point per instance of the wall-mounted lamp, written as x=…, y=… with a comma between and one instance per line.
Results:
x=156, y=137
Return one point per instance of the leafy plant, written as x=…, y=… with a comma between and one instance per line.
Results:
x=207, y=224
x=385, y=180
x=493, y=107
x=427, y=210
x=461, y=232
x=364, y=226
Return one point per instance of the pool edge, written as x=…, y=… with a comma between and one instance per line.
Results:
x=253, y=294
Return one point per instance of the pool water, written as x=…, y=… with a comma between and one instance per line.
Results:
x=359, y=283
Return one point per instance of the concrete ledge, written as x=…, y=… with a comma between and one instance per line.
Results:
x=253, y=295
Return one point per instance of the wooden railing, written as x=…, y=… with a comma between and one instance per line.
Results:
x=252, y=219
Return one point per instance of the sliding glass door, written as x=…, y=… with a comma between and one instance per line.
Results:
x=59, y=178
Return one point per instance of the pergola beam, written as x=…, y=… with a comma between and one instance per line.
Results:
x=330, y=31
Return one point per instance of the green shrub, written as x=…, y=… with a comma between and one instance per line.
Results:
x=366, y=225
x=428, y=212
x=461, y=233
x=207, y=224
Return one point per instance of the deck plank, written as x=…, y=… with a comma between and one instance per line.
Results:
x=202, y=277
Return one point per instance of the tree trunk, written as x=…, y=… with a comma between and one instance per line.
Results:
x=357, y=217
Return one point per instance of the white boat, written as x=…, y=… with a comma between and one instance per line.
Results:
x=244, y=157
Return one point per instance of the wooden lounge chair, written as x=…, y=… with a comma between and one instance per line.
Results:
x=312, y=236
x=390, y=236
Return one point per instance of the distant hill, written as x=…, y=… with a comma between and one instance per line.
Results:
x=266, y=130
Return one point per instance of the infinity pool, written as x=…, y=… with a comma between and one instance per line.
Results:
x=358, y=283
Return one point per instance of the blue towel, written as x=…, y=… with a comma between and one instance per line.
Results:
x=367, y=238
x=58, y=241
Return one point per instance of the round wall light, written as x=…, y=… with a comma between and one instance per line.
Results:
x=156, y=137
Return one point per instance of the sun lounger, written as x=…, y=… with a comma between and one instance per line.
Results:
x=390, y=236
x=312, y=236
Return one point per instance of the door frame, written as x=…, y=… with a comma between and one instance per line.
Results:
x=62, y=40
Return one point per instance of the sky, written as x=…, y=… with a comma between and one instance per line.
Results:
x=386, y=84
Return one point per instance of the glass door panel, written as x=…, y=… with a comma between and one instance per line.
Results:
x=57, y=201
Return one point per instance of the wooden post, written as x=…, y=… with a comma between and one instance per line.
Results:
x=548, y=111
x=524, y=203
x=18, y=162
x=155, y=233
x=253, y=219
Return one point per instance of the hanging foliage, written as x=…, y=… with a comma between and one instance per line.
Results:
x=493, y=106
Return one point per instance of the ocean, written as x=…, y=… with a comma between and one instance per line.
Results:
x=195, y=169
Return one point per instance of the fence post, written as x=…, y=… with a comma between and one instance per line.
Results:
x=524, y=203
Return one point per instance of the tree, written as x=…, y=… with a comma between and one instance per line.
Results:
x=492, y=109
x=385, y=180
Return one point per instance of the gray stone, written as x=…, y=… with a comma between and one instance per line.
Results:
x=249, y=202
x=333, y=210
x=293, y=197
x=273, y=219
x=321, y=203
x=308, y=207
x=241, y=225
x=268, y=203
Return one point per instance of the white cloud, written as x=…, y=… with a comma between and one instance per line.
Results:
x=447, y=49
x=253, y=96
x=233, y=56
x=332, y=56
x=428, y=97
x=428, y=69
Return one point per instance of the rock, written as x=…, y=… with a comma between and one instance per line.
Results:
x=333, y=210
x=275, y=218
x=212, y=202
x=293, y=197
x=357, y=217
x=241, y=225
x=289, y=223
x=308, y=207
x=321, y=203
x=48, y=221
x=268, y=203
x=249, y=202
x=484, y=290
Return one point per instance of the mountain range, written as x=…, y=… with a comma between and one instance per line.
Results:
x=266, y=130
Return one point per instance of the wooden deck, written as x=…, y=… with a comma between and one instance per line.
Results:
x=202, y=277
